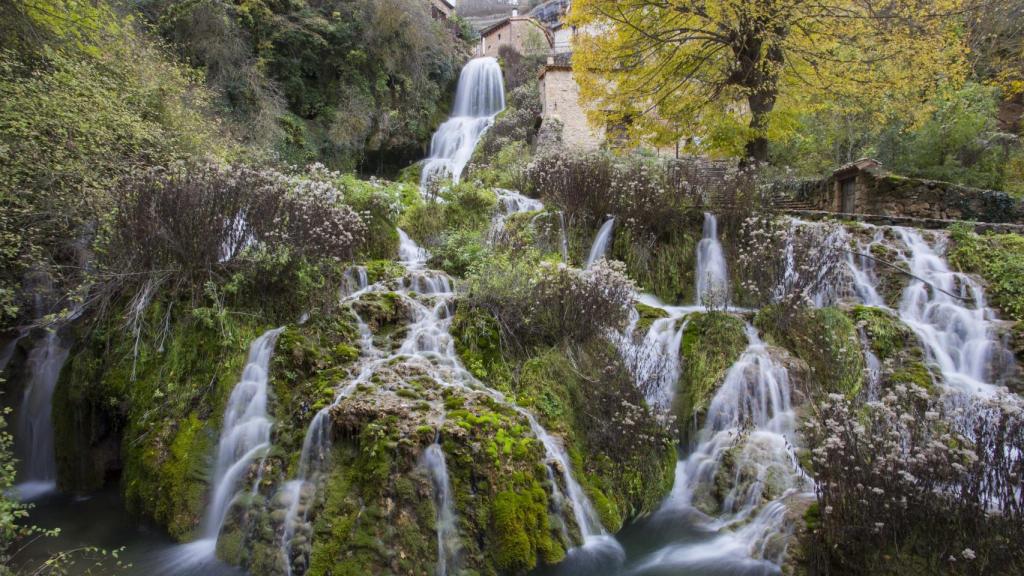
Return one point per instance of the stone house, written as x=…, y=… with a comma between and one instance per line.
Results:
x=560, y=102
x=865, y=188
x=523, y=33
x=441, y=9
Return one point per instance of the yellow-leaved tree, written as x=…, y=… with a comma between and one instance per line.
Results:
x=729, y=75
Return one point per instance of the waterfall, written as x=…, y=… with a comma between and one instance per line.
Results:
x=956, y=332
x=245, y=432
x=34, y=427
x=601, y=242
x=354, y=281
x=510, y=202
x=447, y=531
x=712, y=273
x=479, y=98
x=564, y=237
x=428, y=339
x=945, y=309
x=751, y=417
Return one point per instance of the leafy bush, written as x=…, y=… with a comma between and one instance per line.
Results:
x=915, y=484
x=999, y=259
x=544, y=303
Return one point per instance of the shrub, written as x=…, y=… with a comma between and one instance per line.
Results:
x=550, y=303
x=999, y=259
x=916, y=481
x=788, y=264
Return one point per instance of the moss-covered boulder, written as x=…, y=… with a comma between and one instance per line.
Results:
x=826, y=339
x=712, y=342
x=899, y=352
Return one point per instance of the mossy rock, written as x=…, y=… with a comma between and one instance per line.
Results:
x=712, y=342
x=826, y=339
x=648, y=316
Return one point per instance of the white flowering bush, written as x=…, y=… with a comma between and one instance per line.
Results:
x=914, y=480
x=546, y=303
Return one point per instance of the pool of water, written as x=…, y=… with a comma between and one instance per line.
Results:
x=671, y=542
x=99, y=520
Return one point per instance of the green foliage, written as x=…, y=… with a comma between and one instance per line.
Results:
x=360, y=79
x=826, y=339
x=957, y=139
x=999, y=259
x=711, y=343
x=520, y=524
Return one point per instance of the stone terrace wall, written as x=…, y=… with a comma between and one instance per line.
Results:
x=883, y=194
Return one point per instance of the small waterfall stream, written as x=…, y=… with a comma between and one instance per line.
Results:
x=447, y=531
x=427, y=338
x=245, y=435
x=601, y=242
x=712, y=273
x=479, y=98
x=34, y=435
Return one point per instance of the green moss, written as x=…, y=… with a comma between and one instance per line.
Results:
x=519, y=521
x=999, y=259
x=383, y=270
x=826, y=339
x=661, y=265
x=712, y=342
x=887, y=334
x=648, y=315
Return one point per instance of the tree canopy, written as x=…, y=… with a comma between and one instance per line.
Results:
x=730, y=75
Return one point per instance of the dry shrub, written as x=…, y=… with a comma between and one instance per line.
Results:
x=918, y=481
x=550, y=303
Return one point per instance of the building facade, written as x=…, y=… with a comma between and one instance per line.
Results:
x=523, y=33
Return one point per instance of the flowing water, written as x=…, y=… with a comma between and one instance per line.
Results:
x=945, y=309
x=479, y=98
x=245, y=435
x=601, y=243
x=447, y=530
x=34, y=424
x=712, y=273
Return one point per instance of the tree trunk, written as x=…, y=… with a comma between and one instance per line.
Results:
x=761, y=104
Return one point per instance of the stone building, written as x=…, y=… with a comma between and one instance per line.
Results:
x=523, y=33
x=560, y=102
x=441, y=9
x=864, y=188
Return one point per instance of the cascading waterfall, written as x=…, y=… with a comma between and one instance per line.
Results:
x=956, y=331
x=712, y=272
x=245, y=435
x=479, y=98
x=34, y=432
x=510, y=202
x=601, y=242
x=427, y=338
x=751, y=410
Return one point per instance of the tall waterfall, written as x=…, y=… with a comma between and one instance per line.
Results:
x=34, y=432
x=479, y=98
x=956, y=332
x=245, y=432
x=245, y=435
x=712, y=272
x=601, y=242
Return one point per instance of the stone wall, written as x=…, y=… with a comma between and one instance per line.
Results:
x=524, y=34
x=559, y=95
x=883, y=194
